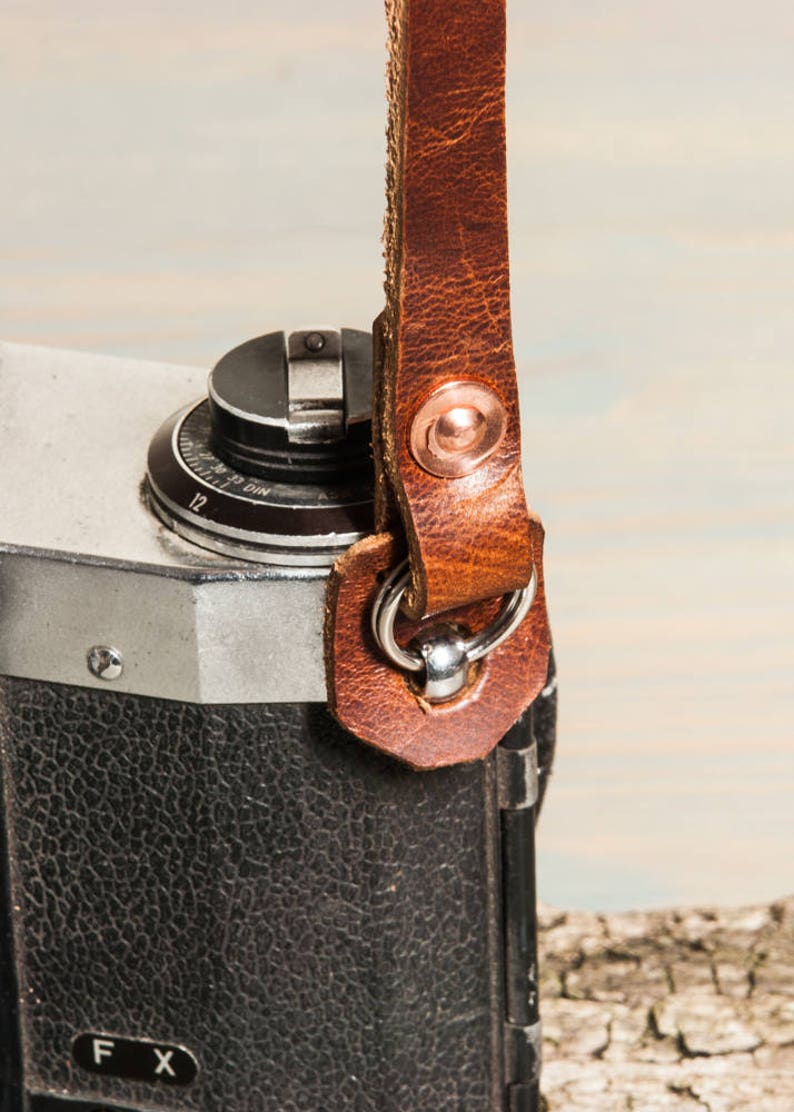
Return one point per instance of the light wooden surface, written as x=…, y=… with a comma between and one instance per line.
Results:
x=178, y=176
x=669, y=1011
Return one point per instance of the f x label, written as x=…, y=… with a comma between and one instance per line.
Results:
x=135, y=1059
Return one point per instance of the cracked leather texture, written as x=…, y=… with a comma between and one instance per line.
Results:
x=309, y=917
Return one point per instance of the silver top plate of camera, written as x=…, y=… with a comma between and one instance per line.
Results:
x=85, y=564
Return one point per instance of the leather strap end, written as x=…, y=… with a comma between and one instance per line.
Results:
x=380, y=704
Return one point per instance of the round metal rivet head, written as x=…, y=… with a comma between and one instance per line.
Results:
x=457, y=429
x=460, y=430
x=315, y=341
x=105, y=663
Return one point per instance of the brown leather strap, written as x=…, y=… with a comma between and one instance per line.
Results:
x=446, y=328
x=448, y=296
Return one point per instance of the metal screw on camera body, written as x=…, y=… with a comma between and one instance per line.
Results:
x=105, y=662
x=314, y=342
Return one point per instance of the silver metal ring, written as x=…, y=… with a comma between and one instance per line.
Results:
x=384, y=613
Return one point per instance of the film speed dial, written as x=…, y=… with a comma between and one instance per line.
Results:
x=274, y=464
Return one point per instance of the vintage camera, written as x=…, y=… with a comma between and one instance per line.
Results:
x=213, y=898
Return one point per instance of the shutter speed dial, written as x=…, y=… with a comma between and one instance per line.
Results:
x=274, y=465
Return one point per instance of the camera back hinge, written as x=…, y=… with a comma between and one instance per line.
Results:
x=517, y=787
x=523, y=1059
x=517, y=775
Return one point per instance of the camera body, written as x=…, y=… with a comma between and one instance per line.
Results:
x=213, y=897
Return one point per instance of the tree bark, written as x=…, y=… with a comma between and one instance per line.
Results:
x=669, y=1010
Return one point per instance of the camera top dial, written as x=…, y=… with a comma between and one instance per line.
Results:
x=274, y=465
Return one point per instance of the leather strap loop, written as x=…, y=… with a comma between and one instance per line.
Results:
x=376, y=701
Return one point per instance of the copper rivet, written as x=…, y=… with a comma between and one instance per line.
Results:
x=457, y=429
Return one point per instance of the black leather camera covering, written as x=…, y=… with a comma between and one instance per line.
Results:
x=316, y=923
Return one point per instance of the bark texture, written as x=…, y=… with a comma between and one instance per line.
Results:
x=669, y=1010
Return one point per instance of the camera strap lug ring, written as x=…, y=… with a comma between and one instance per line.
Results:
x=384, y=614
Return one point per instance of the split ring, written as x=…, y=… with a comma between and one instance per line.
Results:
x=384, y=613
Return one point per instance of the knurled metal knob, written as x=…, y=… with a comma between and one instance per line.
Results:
x=294, y=407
